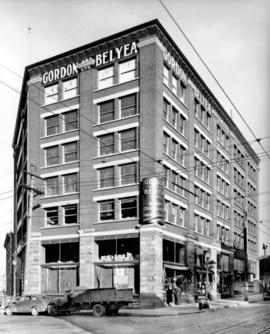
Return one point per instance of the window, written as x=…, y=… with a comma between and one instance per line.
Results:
x=166, y=75
x=51, y=94
x=174, y=149
x=70, y=152
x=182, y=92
x=70, y=88
x=52, y=156
x=105, y=77
x=106, y=177
x=128, y=105
x=70, y=214
x=174, y=85
x=166, y=109
x=174, y=117
x=70, y=183
x=174, y=213
x=128, y=173
x=70, y=121
x=166, y=140
x=52, y=125
x=127, y=70
x=106, y=210
x=51, y=215
x=106, y=144
x=129, y=207
x=181, y=154
x=182, y=217
x=182, y=125
x=128, y=140
x=52, y=186
x=106, y=111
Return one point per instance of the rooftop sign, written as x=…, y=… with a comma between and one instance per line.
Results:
x=99, y=59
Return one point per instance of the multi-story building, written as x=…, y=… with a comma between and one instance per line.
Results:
x=101, y=127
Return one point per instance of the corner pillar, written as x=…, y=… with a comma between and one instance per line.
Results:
x=151, y=260
x=87, y=258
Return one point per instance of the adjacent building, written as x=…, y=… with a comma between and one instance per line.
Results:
x=9, y=281
x=129, y=173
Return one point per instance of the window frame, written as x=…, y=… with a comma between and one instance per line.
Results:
x=130, y=73
x=103, y=179
x=130, y=208
x=70, y=153
x=65, y=215
x=128, y=176
x=106, y=81
x=112, y=210
x=66, y=185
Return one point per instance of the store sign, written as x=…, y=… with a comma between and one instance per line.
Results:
x=98, y=60
x=176, y=68
x=152, y=194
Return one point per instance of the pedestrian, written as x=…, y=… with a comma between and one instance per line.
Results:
x=169, y=294
x=176, y=293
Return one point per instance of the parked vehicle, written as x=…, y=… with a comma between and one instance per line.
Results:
x=33, y=304
x=101, y=301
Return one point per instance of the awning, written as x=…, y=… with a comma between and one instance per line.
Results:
x=117, y=264
x=175, y=266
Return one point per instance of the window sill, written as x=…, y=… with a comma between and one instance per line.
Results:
x=114, y=154
x=63, y=164
x=116, y=120
x=115, y=221
x=115, y=85
x=60, y=101
x=60, y=195
x=57, y=226
x=174, y=128
x=178, y=163
x=117, y=187
x=174, y=224
x=180, y=99
x=176, y=193
x=58, y=134
x=207, y=128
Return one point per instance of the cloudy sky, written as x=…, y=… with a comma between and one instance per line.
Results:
x=232, y=36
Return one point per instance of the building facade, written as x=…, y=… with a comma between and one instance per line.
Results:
x=101, y=127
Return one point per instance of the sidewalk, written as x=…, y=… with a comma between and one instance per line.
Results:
x=182, y=309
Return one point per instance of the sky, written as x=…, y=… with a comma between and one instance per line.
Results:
x=232, y=37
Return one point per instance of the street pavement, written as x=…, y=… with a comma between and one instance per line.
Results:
x=173, y=319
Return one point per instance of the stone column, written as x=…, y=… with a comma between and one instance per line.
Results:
x=87, y=257
x=151, y=262
x=32, y=276
x=213, y=258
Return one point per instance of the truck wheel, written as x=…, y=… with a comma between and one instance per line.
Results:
x=34, y=311
x=52, y=310
x=98, y=310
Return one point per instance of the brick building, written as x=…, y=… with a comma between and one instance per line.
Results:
x=96, y=125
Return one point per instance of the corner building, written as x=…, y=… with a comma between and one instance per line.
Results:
x=92, y=124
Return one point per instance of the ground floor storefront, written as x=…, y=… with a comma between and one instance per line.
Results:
x=150, y=262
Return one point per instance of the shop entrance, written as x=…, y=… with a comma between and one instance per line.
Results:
x=118, y=264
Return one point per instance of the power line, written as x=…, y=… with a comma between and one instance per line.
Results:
x=213, y=76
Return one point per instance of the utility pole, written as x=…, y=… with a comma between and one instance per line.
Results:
x=32, y=190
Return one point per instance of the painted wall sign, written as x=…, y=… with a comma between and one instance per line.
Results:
x=176, y=68
x=152, y=194
x=99, y=59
